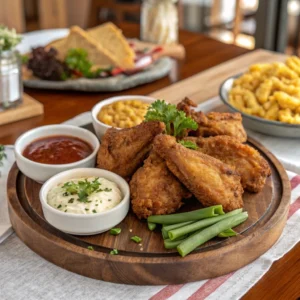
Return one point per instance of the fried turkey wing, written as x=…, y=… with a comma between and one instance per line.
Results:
x=123, y=151
x=155, y=190
x=214, y=123
x=210, y=180
x=247, y=161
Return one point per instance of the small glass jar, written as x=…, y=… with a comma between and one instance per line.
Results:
x=11, y=87
x=159, y=21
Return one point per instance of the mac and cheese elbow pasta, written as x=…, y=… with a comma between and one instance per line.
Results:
x=270, y=91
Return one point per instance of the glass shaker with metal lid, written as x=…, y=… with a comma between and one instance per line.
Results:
x=11, y=88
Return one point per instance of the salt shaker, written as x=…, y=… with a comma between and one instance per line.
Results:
x=11, y=88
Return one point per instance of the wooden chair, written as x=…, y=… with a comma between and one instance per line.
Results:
x=120, y=10
x=11, y=14
x=52, y=14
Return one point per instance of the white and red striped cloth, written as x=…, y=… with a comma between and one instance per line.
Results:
x=225, y=287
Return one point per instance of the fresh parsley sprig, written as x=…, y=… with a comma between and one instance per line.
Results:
x=83, y=189
x=175, y=120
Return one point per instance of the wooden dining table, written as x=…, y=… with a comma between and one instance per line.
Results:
x=282, y=281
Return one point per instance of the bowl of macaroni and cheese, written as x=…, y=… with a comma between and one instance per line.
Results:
x=267, y=96
x=119, y=112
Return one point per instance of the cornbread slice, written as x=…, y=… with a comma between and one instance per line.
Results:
x=79, y=38
x=112, y=39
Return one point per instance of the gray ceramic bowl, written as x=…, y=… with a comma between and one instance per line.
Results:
x=261, y=125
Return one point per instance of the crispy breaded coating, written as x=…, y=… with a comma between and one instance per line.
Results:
x=247, y=161
x=214, y=123
x=123, y=151
x=155, y=190
x=210, y=180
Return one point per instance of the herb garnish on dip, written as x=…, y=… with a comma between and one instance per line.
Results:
x=85, y=195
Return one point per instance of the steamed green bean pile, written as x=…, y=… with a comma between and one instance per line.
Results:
x=189, y=230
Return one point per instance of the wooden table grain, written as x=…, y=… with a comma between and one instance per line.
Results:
x=282, y=281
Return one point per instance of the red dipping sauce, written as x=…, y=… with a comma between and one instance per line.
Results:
x=57, y=150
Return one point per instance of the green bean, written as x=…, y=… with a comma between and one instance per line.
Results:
x=164, y=234
x=227, y=233
x=166, y=228
x=174, y=226
x=178, y=232
x=169, y=244
x=151, y=226
x=194, y=215
x=204, y=235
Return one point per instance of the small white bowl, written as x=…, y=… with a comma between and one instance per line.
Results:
x=42, y=172
x=99, y=127
x=91, y=223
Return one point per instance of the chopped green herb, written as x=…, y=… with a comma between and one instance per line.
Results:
x=83, y=189
x=65, y=194
x=107, y=190
x=2, y=154
x=71, y=200
x=66, y=210
x=96, y=204
x=24, y=59
x=188, y=144
x=115, y=231
x=86, y=209
x=114, y=252
x=91, y=248
x=136, y=239
x=109, y=199
x=175, y=120
x=94, y=211
x=59, y=206
x=100, y=201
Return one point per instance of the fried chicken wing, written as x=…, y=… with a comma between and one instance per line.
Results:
x=210, y=180
x=155, y=190
x=214, y=123
x=247, y=161
x=123, y=151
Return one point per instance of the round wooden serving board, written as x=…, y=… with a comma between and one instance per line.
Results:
x=150, y=263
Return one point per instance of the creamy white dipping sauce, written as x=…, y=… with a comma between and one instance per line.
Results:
x=106, y=197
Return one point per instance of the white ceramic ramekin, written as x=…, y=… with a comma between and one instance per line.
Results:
x=42, y=172
x=99, y=127
x=91, y=223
